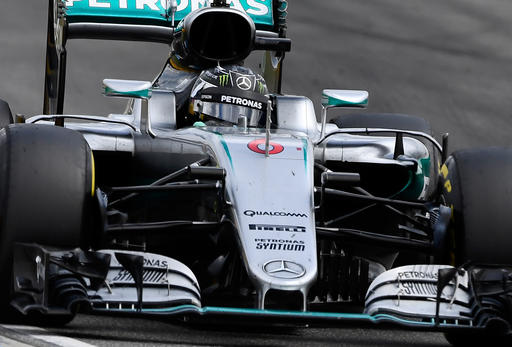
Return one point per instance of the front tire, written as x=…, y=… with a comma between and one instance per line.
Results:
x=46, y=188
x=476, y=185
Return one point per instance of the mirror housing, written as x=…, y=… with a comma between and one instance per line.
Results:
x=344, y=98
x=132, y=89
x=127, y=88
x=341, y=98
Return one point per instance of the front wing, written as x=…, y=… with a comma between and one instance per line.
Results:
x=424, y=297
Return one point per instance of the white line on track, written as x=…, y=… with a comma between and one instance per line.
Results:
x=6, y=342
x=25, y=335
x=62, y=340
x=21, y=327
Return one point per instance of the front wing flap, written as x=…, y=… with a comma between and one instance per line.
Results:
x=424, y=297
x=54, y=281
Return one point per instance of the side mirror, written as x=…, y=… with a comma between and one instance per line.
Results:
x=132, y=89
x=344, y=98
x=127, y=89
x=341, y=98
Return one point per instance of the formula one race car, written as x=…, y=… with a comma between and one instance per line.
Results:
x=216, y=195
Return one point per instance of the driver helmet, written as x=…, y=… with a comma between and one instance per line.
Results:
x=227, y=93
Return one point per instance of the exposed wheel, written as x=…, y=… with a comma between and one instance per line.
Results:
x=476, y=185
x=5, y=114
x=46, y=187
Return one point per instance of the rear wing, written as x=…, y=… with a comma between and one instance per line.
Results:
x=152, y=20
x=131, y=20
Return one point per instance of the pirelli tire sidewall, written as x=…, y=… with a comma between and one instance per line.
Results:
x=46, y=189
x=476, y=184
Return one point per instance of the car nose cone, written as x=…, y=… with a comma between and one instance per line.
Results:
x=284, y=269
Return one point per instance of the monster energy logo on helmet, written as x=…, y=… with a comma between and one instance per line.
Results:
x=234, y=76
x=223, y=80
x=261, y=87
x=228, y=93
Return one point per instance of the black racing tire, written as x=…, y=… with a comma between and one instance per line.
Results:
x=5, y=114
x=476, y=185
x=395, y=121
x=46, y=188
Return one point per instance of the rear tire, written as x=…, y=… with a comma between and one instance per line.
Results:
x=5, y=114
x=46, y=183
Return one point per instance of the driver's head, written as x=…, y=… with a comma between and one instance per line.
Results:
x=229, y=92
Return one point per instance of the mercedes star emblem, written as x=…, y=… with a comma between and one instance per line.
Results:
x=284, y=269
x=244, y=83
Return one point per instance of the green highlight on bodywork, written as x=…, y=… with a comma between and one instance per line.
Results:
x=209, y=310
x=226, y=148
x=412, y=190
x=406, y=186
x=334, y=102
x=305, y=149
x=156, y=11
x=141, y=94
x=222, y=141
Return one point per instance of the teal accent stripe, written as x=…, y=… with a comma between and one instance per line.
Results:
x=131, y=11
x=329, y=101
x=305, y=149
x=222, y=141
x=145, y=93
x=226, y=148
x=378, y=318
x=416, y=181
x=409, y=181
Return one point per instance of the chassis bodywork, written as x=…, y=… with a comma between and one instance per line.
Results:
x=209, y=220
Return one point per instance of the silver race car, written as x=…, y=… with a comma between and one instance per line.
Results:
x=216, y=195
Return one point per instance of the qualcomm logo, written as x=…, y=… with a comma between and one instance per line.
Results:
x=284, y=269
x=252, y=213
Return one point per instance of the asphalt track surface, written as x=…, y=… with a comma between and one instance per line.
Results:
x=447, y=61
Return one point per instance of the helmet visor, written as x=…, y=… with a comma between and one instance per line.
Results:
x=230, y=113
x=230, y=108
